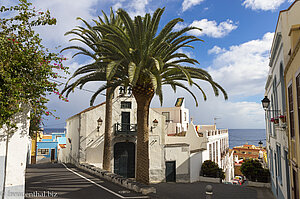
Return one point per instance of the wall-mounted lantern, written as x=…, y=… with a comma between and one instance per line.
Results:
x=266, y=103
x=154, y=124
x=99, y=122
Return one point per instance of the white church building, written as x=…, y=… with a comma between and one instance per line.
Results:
x=177, y=147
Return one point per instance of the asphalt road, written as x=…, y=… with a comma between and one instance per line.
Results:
x=56, y=181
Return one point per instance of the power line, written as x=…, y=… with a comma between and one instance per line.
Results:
x=75, y=87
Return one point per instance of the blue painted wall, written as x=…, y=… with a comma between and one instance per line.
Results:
x=57, y=138
x=48, y=145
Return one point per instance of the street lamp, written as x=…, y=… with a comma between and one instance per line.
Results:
x=99, y=121
x=260, y=143
x=266, y=103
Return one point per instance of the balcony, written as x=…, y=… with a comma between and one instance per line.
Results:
x=123, y=129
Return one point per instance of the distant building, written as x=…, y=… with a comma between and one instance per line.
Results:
x=246, y=152
x=177, y=147
x=48, y=146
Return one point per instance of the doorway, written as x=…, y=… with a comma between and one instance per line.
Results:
x=124, y=159
x=125, y=120
x=52, y=155
x=170, y=171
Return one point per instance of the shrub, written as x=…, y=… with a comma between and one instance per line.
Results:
x=211, y=169
x=253, y=170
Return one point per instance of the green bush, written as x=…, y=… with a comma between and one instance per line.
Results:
x=211, y=169
x=253, y=171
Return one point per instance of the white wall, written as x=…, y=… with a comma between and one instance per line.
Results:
x=16, y=156
x=156, y=149
x=195, y=166
x=180, y=154
x=191, y=138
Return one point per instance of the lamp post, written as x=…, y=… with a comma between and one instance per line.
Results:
x=260, y=144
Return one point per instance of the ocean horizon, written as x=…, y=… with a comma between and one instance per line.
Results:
x=239, y=137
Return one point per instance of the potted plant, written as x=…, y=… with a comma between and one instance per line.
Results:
x=275, y=120
x=282, y=118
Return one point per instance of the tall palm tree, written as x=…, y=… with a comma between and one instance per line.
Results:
x=95, y=72
x=144, y=59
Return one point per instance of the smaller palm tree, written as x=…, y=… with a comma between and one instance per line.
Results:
x=95, y=71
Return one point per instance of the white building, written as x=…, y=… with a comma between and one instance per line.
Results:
x=177, y=148
x=276, y=131
x=14, y=155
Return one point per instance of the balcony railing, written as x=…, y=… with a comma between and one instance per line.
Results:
x=125, y=129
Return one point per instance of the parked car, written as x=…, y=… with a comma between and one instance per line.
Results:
x=236, y=182
x=240, y=178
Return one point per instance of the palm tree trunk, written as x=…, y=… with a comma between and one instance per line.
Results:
x=107, y=132
x=143, y=100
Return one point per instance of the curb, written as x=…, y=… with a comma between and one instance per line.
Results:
x=117, y=179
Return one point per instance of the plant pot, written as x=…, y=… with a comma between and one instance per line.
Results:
x=283, y=120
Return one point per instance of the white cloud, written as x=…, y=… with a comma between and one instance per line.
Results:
x=263, y=4
x=212, y=29
x=133, y=7
x=186, y=4
x=242, y=69
x=216, y=50
x=240, y=114
x=66, y=12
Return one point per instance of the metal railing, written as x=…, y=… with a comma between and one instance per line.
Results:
x=125, y=129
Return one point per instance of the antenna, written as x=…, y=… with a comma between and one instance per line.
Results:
x=215, y=119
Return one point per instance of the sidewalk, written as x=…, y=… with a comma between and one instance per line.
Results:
x=220, y=191
x=263, y=193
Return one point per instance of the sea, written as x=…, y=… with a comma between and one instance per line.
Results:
x=53, y=130
x=239, y=137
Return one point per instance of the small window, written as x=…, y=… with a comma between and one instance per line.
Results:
x=184, y=116
x=243, y=152
x=249, y=152
x=167, y=115
x=43, y=151
x=126, y=105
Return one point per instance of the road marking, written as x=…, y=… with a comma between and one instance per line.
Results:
x=98, y=185
x=124, y=191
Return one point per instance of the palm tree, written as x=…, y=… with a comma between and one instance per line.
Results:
x=144, y=59
x=95, y=72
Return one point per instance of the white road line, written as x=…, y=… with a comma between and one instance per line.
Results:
x=98, y=185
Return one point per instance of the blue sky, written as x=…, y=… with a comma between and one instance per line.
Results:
x=237, y=38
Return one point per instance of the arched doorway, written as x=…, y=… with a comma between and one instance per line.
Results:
x=124, y=159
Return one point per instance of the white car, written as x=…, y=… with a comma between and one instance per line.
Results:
x=240, y=178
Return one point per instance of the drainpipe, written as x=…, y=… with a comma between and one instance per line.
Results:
x=5, y=165
x=79, y=130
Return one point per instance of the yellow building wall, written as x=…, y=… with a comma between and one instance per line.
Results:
x=291, y=72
